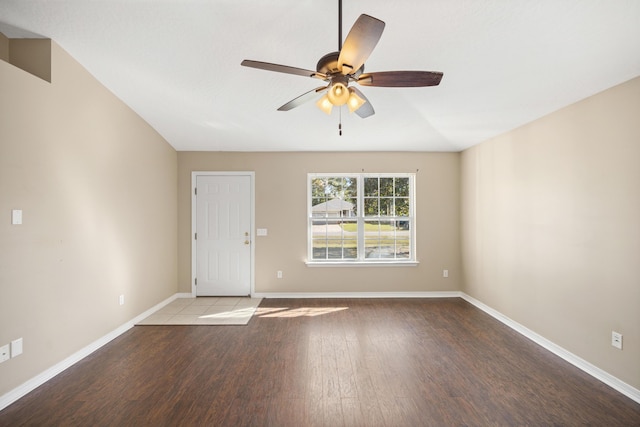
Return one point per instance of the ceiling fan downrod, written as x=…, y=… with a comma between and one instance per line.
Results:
x=339, y=25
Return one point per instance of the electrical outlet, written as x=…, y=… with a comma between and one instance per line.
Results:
x=121, y=299
x=445, y=273
x=4, y=353
x=279, y=274
x=616, y=339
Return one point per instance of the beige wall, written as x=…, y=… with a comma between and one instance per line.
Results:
x=98, y=191
x=4, y=48
x=551, y=227
x=31, y=55
x=281, y=197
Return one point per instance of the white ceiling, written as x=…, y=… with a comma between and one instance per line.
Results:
x=177, y=64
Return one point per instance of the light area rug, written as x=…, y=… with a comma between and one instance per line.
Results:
x=205, y=311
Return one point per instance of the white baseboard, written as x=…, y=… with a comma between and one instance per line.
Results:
x=35, y=382
x=624, y=388
x=182, y=295
x=613, y=382
x=443, y=294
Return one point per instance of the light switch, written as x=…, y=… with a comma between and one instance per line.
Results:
x=16, y=347
x=262, y=231
x=16, y=217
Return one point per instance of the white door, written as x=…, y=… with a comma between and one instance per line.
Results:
x=223, y=235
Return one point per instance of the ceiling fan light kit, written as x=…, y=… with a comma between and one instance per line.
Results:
x=346, y=96
x=325, y=105
x=341, y=68
x=338, y=94
x=354, y=102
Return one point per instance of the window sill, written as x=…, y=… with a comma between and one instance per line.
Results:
x=362, y=263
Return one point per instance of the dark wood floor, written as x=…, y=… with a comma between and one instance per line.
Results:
x=327, y=362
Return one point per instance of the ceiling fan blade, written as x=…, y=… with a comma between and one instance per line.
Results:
x=283, y=69
x=305, y=97
x=401, y=78
x=359, y=44
x=366, y=109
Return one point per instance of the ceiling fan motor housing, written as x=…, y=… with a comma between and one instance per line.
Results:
x=328, y=64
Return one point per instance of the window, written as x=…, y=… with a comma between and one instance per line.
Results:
x=361, y=218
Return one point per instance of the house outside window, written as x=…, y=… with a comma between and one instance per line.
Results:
x=334, y=208
x=361, y=218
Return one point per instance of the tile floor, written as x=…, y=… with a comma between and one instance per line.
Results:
x=205, y=311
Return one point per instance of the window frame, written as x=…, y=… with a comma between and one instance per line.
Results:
x=361, y=219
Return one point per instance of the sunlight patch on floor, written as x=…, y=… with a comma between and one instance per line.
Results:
x=296, y=312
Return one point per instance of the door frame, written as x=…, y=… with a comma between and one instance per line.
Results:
x=194, y=177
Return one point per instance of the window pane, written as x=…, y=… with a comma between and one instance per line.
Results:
x=349, y=188
x=334, y=248
x=371, y=249
x=371, y=187
x=318, y=208
x=403, y=240
x=386, y=206
x=371, y=207
x=349, y=207
x=402, y=187
x=319, y=229
x=317, y=187
x=402, y=207
x=319, y=233
x=372, y=239
x=386, y=187
x=350, y=248
x=402, y=225
x=319, y=251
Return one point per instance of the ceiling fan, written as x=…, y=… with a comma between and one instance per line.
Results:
x=345, y=66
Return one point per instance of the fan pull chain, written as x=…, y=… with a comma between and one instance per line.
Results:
x=340, y=123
